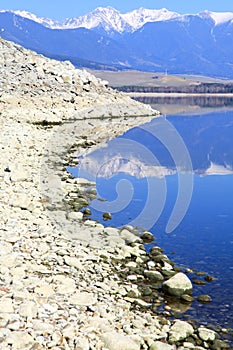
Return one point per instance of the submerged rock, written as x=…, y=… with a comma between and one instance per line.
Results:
x=107, y=216
x=204, y=298
x=187, y=298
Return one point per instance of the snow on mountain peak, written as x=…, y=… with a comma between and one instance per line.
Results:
x=112, y=20
x=107, y=17
x=137, y=18
x=28, y=15
x=218, y=17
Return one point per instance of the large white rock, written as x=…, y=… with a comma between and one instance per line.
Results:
x=158, y=345
x=28, y=309
x=65, y=285
x=116, y=341
x=20, y=340
x=83, y=299
x=75, y=215
x=178, y=285
x=21, y=200
x=72, y=261
x=206, y=334
x=6, y=305
x=180, y=330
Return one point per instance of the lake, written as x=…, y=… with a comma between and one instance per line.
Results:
x=174, y=177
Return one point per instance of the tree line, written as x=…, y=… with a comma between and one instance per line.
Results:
x=203, y=88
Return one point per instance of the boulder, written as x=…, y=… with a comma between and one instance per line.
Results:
x=206, y=334
x=179, y=331
x=178, y=285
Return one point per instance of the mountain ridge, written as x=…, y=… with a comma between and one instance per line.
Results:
x=120, y=22
x=199, y=44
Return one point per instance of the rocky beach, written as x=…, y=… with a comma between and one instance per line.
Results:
x=67, y=282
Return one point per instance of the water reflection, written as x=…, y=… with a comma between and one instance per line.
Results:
x=204, y=238
x=183, y=104
x=201, y=101
x=208, y=139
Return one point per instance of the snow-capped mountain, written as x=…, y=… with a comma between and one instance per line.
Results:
x=218, y=17
x=137, y=18
x=49, y=23
x=107, y=17
x=112, y=20
x=143, y=39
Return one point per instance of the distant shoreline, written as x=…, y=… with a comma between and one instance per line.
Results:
x=177, y=94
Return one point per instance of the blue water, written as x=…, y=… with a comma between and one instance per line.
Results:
x=177, y=168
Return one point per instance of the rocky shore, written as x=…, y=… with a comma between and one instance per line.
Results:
x=65, y=282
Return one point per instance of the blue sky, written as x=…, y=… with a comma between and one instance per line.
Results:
x=73, y=8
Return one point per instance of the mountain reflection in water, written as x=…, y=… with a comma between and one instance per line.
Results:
x=208, y=139
x=204, y=238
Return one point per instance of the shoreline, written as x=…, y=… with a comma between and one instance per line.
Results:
x=61, y=284
x=177, y=94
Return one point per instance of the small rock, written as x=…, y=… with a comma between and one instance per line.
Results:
x=209, y=278
x=28, y=309
x=129, y=237
x=42, y=328
x=45, y=290
x=75, y=215
x=204, y=298
x=83, y=299
x=6, y=305
x=83, y=343
x=107, y=216
x=21, y=200
x=65, y=285
x=198, y=282
x=69, y=332
x=72, y=261
x=220, y=344
x=188, y=298
x=20, y=340
x=116, y=341
x=154, y=276
x=147, y=237
x=188, y=345
x=158, y=345
x=87, y=212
